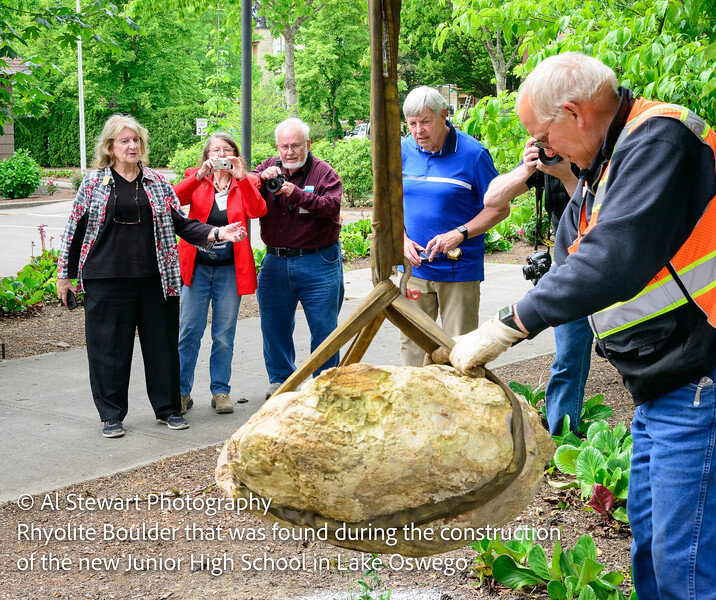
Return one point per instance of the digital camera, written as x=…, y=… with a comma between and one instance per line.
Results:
x=273, y=184
x=221, y=164
x=538, y=263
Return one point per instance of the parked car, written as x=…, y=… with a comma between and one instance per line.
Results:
x=361, y=131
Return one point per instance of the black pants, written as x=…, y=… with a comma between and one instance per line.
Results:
x=114, y=310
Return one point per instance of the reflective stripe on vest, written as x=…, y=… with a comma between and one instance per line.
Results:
x=694, y=263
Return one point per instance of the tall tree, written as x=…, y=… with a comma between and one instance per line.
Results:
x=332, y=71
x=462, y=61
x=22, y=22
x=286, y=17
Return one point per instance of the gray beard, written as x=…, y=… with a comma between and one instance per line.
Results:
x=295, y=165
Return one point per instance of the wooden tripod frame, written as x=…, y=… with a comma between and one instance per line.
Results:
x=386, y=301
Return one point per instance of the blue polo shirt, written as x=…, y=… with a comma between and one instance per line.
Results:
x=442, y=190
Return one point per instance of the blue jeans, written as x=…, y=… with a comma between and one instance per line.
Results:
x=218, y=286
x=315, y=280
x=564, y=394
x=672, y=495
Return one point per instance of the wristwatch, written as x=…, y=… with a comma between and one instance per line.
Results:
x=462, y=229
x=506, y=315
x=216, y=236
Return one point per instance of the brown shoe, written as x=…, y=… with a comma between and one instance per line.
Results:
x=186, y=404
x=222, y=404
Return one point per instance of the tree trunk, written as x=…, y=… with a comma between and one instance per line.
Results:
x=289, y=85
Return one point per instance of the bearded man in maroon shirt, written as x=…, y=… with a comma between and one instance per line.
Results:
x=303, y=260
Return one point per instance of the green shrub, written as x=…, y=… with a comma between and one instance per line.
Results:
x=19, y=175
x=185, y=158
x=76, y=181
x=260, y=152
x=352, y=160
x=355, y=239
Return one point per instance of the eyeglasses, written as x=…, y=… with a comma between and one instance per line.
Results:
x=542, y=141
x=136, y=203
x=226, y=151
x=294, y=147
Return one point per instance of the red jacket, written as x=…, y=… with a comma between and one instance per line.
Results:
x=244, y=203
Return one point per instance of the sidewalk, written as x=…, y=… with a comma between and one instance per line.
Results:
x=51, y=432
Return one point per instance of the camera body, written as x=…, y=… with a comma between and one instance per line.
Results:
x=221, y=164
x=538, y=263
x=273, y=184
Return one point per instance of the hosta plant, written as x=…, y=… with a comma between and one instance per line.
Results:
x=570, y=574
x=600, y=465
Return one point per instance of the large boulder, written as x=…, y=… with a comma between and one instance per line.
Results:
x=374, y=448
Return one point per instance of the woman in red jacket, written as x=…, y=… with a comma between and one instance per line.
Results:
x=219, y=192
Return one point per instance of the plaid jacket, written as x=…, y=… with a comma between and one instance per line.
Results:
x=92, y=197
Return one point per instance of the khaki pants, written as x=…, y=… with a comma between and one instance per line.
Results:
x=457, y=302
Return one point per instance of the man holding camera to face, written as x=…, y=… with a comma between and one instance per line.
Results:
x=557, y=179
x=303, y=261
x=641, y=263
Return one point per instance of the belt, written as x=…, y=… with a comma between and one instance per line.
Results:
x=291, y=252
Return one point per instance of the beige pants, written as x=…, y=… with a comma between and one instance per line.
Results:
x=457, y=302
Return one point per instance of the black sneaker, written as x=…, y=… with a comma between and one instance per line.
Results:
x=112, y=428
x=175, y=421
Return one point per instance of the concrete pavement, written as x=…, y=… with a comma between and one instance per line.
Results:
x=51, y=434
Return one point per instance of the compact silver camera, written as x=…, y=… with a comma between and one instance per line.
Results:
x=221, y=164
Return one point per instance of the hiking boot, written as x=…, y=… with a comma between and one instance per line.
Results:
x=175, y=421
x=186, y=404
x=222, y=404
x=272, y=388
x=113, y=428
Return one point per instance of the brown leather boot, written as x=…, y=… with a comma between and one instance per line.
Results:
x=186, y=404
x=222, y=404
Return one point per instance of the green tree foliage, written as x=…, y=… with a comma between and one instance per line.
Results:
x=332, y=71
x=662, y=49
x=21, y=23
x=462, y=62
x=154, y=65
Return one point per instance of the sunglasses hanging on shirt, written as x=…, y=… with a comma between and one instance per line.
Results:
x=123, y=217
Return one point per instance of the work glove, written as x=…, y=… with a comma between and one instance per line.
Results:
x=483, y=345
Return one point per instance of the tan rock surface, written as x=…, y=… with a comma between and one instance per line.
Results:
x=362, y=442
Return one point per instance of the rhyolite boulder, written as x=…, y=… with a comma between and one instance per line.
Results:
x=371, y=446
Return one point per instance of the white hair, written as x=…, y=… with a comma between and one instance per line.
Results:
x=294, y=123
x=567, y=77
x=421, y=98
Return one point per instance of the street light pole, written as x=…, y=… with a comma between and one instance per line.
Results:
x=81, y=93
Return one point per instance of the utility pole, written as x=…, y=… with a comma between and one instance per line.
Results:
x=81, y=92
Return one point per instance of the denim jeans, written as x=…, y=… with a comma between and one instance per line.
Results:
x=316, y=281
x=564, y=394
x=218, y=286
x=672, y=494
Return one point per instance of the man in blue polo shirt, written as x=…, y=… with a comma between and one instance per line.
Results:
x=445, y=175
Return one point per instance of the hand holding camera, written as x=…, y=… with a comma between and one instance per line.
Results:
x=273, y=178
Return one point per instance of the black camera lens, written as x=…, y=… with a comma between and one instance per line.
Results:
x=273, y=184
x=548, y=160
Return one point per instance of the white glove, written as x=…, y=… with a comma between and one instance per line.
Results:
x=483, y=345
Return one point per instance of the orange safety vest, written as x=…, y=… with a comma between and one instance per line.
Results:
x=691, y=274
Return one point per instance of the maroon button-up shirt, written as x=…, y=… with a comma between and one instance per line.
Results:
x=314, y=220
